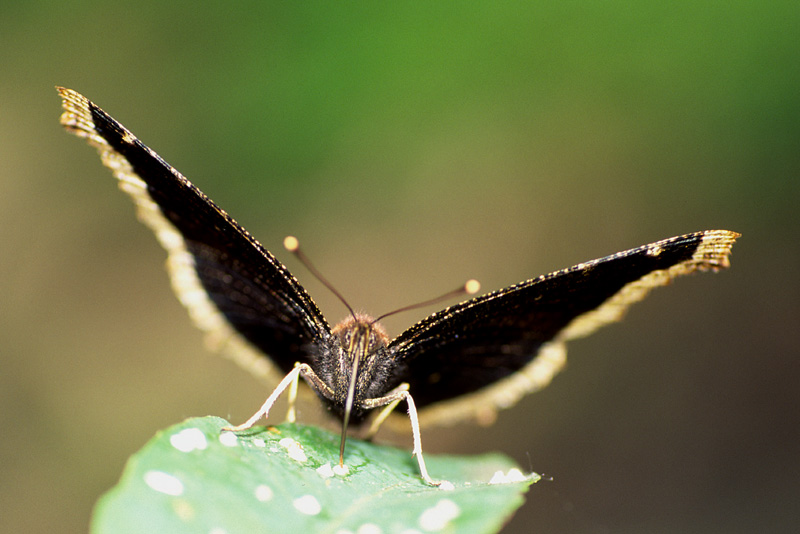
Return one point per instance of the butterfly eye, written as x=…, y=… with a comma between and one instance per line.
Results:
x=375, y=344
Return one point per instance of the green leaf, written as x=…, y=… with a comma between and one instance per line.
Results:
x=193, y=477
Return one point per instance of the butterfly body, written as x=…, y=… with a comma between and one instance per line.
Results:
x=358, y=347
x=466, y=361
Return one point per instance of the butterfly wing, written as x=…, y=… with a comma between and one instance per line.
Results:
x=220, y=272
x=505, y=344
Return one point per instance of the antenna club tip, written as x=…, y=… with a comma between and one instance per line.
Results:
x=291, y=243
x=472, y=286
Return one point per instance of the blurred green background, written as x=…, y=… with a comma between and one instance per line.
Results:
x=412, y=146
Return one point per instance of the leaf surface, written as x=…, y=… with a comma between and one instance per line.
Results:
x=193, y=477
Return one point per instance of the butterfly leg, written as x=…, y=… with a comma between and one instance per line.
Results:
x=291, y=413
x=398, y=394
x=300, y=369
x=381, y=417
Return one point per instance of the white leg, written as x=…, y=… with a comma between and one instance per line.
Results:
x=381, y=417
x=264, y=410
x=398, y=394
x=412, y=414
x=291, y=414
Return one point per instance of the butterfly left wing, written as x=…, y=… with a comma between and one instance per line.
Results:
x=486, y=353
x=223, y=276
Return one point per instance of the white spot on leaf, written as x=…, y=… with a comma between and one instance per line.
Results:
x=341, y=470
x=446, y=485
x=188, y=440
x=229, y=439
x=437, y=518
x=163, y=482
x=263, y=493
x=514, y=475
x=369, y=528
x=293, y=449
x=307, y=504
x=325, y=471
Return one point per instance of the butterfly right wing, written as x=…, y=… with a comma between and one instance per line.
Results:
x=223, y=276
x=486, y=353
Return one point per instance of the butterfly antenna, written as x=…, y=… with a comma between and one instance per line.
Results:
x=471, y=287
x=291, y=244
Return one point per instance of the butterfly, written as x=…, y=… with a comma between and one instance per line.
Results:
x=465, y=361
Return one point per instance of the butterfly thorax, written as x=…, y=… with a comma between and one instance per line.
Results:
x=359, y=346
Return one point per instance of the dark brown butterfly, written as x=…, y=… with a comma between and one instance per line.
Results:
x=467, y=360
